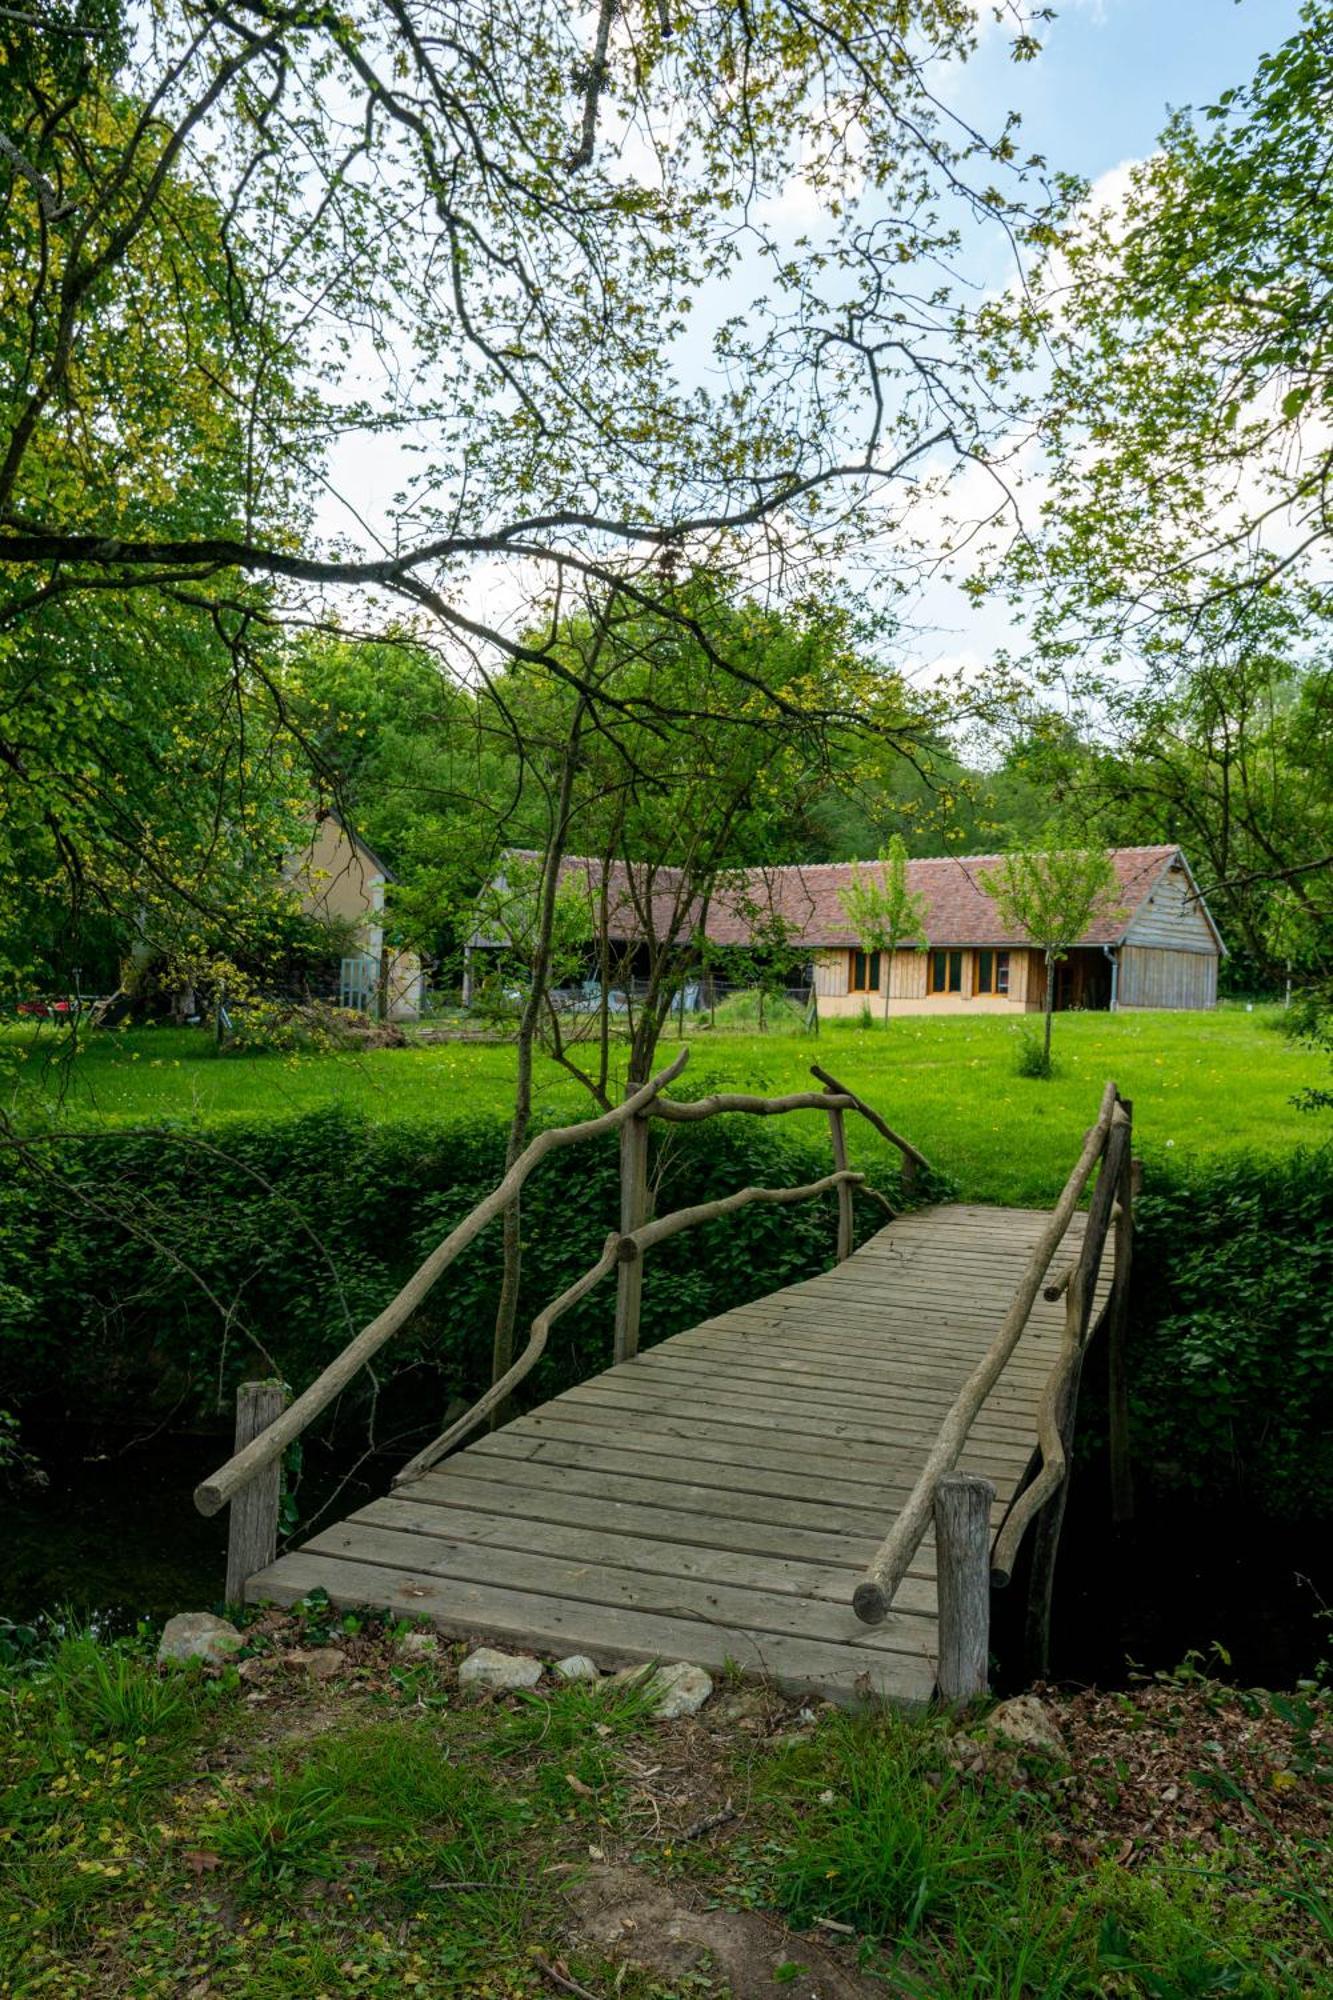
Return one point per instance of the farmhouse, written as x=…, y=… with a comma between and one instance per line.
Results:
x=340, y=876
x=1160, y=949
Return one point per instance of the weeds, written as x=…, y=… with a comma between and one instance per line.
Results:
x=416, y=1848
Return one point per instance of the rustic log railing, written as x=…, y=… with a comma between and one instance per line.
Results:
x=966, y=1572
x=252, y=1470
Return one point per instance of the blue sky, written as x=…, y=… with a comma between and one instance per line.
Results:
x=1094, y=100
x=1109, y=69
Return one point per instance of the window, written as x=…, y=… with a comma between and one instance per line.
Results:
x=946, y=972
x=992, y=972
x=865, y=972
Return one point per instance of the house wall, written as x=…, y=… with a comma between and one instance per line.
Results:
x=337, y=878
x=1173, y=917
x=1151, y=976
x=908, y=981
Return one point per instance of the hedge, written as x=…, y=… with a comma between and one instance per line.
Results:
x=166, y=1268
x=154, y=1272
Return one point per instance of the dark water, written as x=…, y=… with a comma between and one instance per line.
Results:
x=116, y=1537
x=1186, y=1576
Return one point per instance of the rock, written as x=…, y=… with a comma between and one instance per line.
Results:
x=321, y=1661
x=674, y=1691
x=198, y=1635
x=418, y=1646
x=577, y=1667
x=679, y=1690
x=1028, y=1725
x=491, y=1669
x=747, y=1710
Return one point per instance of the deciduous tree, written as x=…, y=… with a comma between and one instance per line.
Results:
x=883, y=911
x=1052, y=895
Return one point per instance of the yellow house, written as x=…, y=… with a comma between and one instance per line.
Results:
x=340, y=876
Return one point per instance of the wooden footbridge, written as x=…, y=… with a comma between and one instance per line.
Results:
x=823, y=1485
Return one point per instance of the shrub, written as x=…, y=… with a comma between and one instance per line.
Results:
x=1032, y=1059
x=1232, y=1334
x=173, y=1264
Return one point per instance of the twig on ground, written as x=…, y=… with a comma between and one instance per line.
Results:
x=561, y=1979
x=711, y=1821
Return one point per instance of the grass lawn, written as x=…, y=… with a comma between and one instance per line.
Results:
x=1203, y=1085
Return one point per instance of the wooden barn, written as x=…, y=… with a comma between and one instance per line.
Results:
x=1161, y=950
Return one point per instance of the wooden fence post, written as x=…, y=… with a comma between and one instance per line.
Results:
x=633, y=1215
x=252, y=1532
x=963, y=1505
x=838, y=1134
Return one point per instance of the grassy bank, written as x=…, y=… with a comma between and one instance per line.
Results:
x=1203, y=1085
x=334, y=1818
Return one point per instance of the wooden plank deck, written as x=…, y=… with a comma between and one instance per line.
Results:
x=716, y=1498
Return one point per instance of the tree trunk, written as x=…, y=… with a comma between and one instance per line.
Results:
x=506, y=1311
x=1050, y=1002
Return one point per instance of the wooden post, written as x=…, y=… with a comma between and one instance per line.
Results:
x=963, y=1505
x=633, y=1215
x=252, y=1532
x=838, y=1134
x=1122, y=1471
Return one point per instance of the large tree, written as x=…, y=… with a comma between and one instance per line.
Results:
x=444, y=295
x=1175, y=572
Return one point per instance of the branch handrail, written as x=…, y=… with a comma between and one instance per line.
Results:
x=1080, y=1292
x=885, y=1573
x=618, y=1250
x=214, y=1493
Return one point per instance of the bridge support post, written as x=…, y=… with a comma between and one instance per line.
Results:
x=846, y=1216
x=252, y=1529
x=963, y=1505
x=633, y=1215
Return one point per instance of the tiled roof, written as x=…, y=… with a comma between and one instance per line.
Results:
x=958, y=910
x=807, y=896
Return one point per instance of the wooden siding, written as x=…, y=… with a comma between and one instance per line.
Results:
x=1151, y=976
x=832, y=974
x=1173, y=917
x=908, y=980
x=908, y=991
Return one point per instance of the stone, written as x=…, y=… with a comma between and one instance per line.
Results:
x=418, y=1646
x=1026, y=1724
x=747, y=1710
x=577, y=1667
x=321, y=1661
x=198, y=1635
x=679, y=1690
x=674, y=1691
x=489, y=1668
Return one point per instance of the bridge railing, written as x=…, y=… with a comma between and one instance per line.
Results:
x=265, y=1429
x=967, y=1566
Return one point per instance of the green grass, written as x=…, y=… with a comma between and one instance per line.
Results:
x=1203, y=1085
x=389, y=1836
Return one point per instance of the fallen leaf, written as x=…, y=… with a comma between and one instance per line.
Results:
x=200, y=1860
x=577, y=1785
